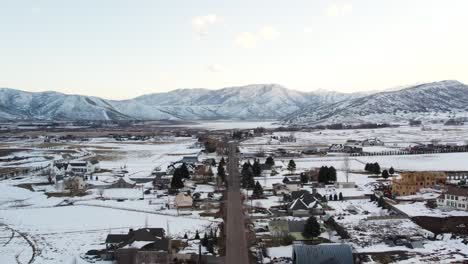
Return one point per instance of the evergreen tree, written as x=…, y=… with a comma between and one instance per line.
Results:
x=286, y=180
x=184, y=171
x=304, y=178
x=247, y=180
x=204, y=241
x=185, y=236
x=376, y=169
x=385, y=174
x=330, y=198
x=323, y=174
x=257, y=170
x=291, y=166
x=367, y=167
x=311, y=228
x=270, y=161
x=340, y=196
x=197, y=236
x=331, y=174
x=391, y=171
x=221, y=172
x=176, y=182
x=258, y=190
x=335, y=197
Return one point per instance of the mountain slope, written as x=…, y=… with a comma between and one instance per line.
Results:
x=419, y=101
x=253, y=102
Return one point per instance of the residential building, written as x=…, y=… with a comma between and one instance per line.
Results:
x=409, y=183
x=454, y=197
x=183, y=201
x=372, y=142
x=76, y=167
x=323, y=253
x=123, y=182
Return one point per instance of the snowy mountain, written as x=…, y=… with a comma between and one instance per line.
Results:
x=261, y=101
x=424, y=101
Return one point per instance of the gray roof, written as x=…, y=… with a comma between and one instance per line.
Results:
x=323, y=254
x=296, y=226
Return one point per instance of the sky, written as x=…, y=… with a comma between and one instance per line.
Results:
x=120, y=49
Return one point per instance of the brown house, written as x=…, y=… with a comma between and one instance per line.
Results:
x=411, y=182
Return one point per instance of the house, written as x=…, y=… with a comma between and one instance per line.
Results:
x=372, y=142
x=145, y=245
x=323, y=254
x=190, y=159
x=123, y=182
x=183, y=201
x=410, y=183
x=293, y=185
x=77, y=167
x=74, y=184
x=336, y=147
x=305, y=203
x=312, y=174
x=454, y=197
x=353, y=143
x=280, y=189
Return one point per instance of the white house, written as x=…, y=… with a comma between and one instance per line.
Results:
x=454, y=197
x=76, y=167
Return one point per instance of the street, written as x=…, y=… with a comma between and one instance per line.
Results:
x=236, y=245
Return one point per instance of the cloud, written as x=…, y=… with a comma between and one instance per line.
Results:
x=200, y=24
x=339, y=9
x=269, y=33
x=246, y=40
x=215, y=68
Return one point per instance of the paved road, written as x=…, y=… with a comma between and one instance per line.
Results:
x=236, y=245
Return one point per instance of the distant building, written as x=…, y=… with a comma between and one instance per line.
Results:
x=190, y=159
x=123, y=182
x=372, y=142
x=76, y=167
x=454, y=197
x=410, y=183
x=183, y=201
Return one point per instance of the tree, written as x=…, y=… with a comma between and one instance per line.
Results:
x=286, y=180
x=176, y=182
x=323, y=174
x=185, y=236
x=335, y=197
x=258, y=190
x=184, y=171
x=385, y=174
x=367, y=167
x=197, y=236
x=330, y=198
x=222, y=162
x=221, y=172
x=376, y=169
x=204, y=240
x=340, y=196
x=331, y=174
x=311, y=228
x=270, y=161
x=247, y=177
x=291, y=166
x=257, y=170
x=304, y=178
x=391, y=171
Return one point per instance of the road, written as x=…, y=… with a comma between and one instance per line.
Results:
x=236, y=245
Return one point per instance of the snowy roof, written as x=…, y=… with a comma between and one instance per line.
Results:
x=323, y=253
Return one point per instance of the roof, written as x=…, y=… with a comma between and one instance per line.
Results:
x=298, y=204
x=323, y=254
x=296, y=226
x=116, y=238
x=298, y=194
x=456, y=190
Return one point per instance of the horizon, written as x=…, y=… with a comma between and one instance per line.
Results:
x=119, y=49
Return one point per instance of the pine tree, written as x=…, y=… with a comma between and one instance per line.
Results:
x=335, y=197
x=391, y=171
x=340, y=196
x=367, y=167
x=197, y=236
x=330, y=198
x=257, y=170
x=376, y=169
x=385, y=174
x=185, y=236
x=204, y=241
x=270, y=161
x=331, y=174
x=247, y=177
x=184, y=171
x=221, y=172
x=176, y=182
x=323, y=174
x=311, y=228
x=258, y=190
x=291, y=166
x=222, y=162
x=304, y=178
x=286, y=180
